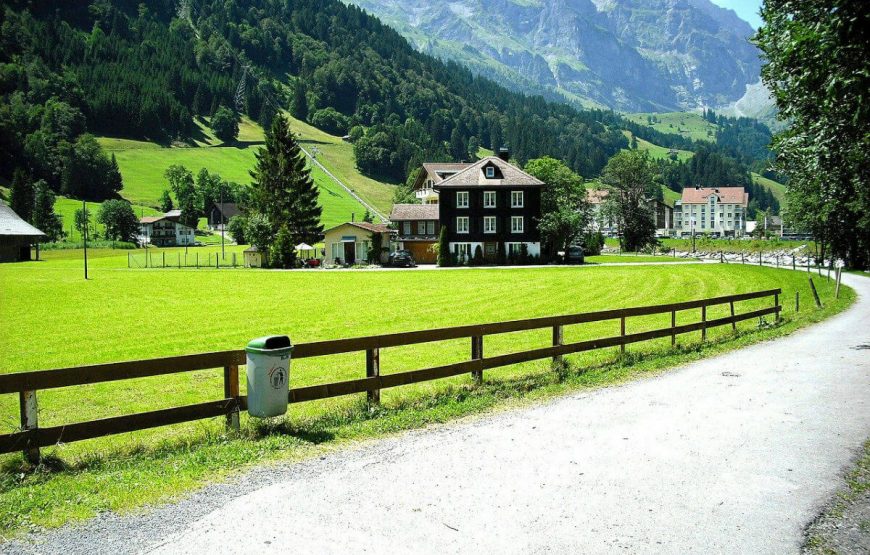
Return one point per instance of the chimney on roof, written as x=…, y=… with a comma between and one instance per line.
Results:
x=504, y=153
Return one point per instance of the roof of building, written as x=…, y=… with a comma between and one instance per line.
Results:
x=374, y=228
x=150, y=219
x=597, y=196
x=11, y=224
x=227, y=209
x=507, y=175
x=727, y=195
x=443, y=170
x=172, y=215
x=404, y=212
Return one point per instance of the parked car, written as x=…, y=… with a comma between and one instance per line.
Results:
x=574, y=255
x=402, y=259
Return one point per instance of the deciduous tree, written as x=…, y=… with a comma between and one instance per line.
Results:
x=628, y=176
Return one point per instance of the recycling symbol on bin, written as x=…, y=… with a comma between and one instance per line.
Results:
x=278, y=377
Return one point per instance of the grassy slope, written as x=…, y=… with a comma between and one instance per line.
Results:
x=337, y=156
x=687, y=124
x=143, y=164
x=659, y=152
x=777, y=188
x=212, y=310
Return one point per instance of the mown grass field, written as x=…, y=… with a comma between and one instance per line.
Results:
x=122, y=314
x=657, y=152
x=687, y=124
x=777, y=188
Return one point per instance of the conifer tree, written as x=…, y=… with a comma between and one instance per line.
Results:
x=44, y=217
x=21, y=195
x=284, y=192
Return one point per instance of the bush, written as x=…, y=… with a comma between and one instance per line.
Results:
x=236, y=227
x=225, y=124
x=593, y=242
x=331, y=121
x=478, y=256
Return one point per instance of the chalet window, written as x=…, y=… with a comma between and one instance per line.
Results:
x=489, y=199
x=406, y=228
x=462, y=251
x=517, y=224
x=517, y=199
x=421, y=228
x=515, y=248
x=461, y=199
x=462, y=224
x=430, y=228
x=490, y=172
x=489, y=224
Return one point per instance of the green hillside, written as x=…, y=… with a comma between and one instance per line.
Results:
x=777, y=188
x=659, y=152
x=143, y=164
x=687, y=124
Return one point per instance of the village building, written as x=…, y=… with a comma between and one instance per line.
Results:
x=417, y=230
x=663, y=214
x=221, y=213
x=430, y=175
x=16, y=236
x=349, y=243
x=490, y=204
x=165, y=231
x=716, y=211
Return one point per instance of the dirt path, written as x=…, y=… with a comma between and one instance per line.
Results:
x=733, y=454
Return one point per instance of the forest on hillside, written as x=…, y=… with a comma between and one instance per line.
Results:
x=147, y=69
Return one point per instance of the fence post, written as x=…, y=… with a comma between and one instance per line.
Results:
x=179, y=261
x=759, y=258
x=373, y=368
x=838, y=276
x=703, y=322
x=622, y=334
x=742, y=257
x=797, y=301
x=29, y=421
x=776, y=304
x=231, y=391
x=721, y=257
x=164, y=259
x=733, y=322
x=217, y=261
x=197, y=260
x=557, y=340
x=793, y=263
x=477, y=353
x=673, y=328
x=815, y=294
x=128, y=260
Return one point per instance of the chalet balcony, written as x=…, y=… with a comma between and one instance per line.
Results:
x=427, y=196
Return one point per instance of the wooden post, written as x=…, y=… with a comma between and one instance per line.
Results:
x=231, y=391
x=217, y=261
x=793, y=263
x=742, y=257
x=838, y=276
x=815, y=294
x=797, y=301
x=477, y=353
x=622, y=334
x=197, y=260
x=733, y=322
x=721, y=257
x=557, y=340
x=673, y=328
x=759, y=258
x=179, y=261
x=808, y=263
x=164, y=259
x=29, y=421
x=128, y=260
x=776, y=304
x=373, y=368
x=704, y=322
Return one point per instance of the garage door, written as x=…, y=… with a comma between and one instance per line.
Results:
x=421, y=251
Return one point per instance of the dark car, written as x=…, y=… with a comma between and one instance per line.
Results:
x=574, y=255
x=402, y=259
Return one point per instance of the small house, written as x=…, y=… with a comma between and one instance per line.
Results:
x=430, y=175
x=221, y=213
x=350, y=242
x=417, y=230
x=16, y=236
x=253, y=257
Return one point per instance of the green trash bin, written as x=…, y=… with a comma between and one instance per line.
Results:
x=268, y=375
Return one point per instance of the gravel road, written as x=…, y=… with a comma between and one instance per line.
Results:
x=733, y=454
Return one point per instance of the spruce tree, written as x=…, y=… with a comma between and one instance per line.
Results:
x=299, y=106
x=21, y=195
x=44, y=217
x=284, y=192
x=165, y=202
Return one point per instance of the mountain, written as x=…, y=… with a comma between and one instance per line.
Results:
x=628, y=55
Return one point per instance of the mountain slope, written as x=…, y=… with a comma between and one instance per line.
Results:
x=630, y=55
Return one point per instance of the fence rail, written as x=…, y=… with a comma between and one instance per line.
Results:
x=31, y=437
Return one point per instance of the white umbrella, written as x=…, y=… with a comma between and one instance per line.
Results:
x=304, y=247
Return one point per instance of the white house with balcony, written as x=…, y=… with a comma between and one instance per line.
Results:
x=717, y=211
x=165, y=230
x=431, y=174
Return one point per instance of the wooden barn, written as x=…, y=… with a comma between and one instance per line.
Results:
x=16, y=236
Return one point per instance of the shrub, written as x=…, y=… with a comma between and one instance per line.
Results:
x=331, y=121
x=478, y=256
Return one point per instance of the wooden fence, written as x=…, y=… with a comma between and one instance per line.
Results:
x=31, y=437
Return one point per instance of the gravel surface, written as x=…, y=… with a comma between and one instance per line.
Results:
x=733, y=454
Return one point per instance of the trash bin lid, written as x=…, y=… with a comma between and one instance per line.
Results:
x=271, y=344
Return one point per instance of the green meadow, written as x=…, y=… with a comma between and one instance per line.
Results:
x=688, y=124
x=127, y=314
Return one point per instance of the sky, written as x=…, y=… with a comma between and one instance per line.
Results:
x=746, y=9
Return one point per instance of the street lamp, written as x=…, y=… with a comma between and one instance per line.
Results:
x=692, y=222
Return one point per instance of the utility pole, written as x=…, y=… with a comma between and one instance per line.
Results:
x=221, y=220
x=85, y=235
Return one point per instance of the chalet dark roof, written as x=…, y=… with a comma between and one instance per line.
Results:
x=229, y=209
x=507, y=174
x=11, y=225
x=404, y=212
